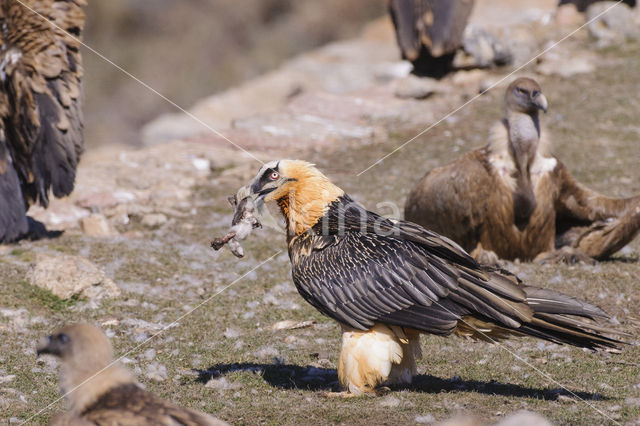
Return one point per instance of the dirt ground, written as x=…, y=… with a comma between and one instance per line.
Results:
x=221, y=353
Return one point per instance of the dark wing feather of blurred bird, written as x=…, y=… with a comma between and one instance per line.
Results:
x=436, y=25
x=131, y=405
x=41, y=111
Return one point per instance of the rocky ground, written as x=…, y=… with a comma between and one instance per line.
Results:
x=232, y=337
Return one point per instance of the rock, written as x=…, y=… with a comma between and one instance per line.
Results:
x=266, y=352
x=524, y=418
x=490, y=83
x=105, y=199
x=469, y=78
x=611, y=23
x=221, y=383
x=304, y=126
x=416, y=87
x=390, y=401
x=67, y=276
x=96, y=225
x=232, y=333
x=149, y=354
x=560, y=62
x=633, y=402
x=481, y=49
x=461, y=420
x=521, y=43
x=156, y=372
x=425, y=419
x=567, y=16
x=59, y=215
x=6, y=379
x=154, y=220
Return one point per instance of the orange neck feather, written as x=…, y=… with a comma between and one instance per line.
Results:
x=307, y=198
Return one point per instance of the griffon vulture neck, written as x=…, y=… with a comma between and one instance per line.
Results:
x=83, y=383
x=524, y=136
x=518, y=149
x=308, y=198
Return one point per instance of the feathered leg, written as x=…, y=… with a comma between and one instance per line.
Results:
x=373, y=358
x=402, y=374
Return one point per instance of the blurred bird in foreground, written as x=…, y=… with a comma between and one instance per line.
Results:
x=429, y=32
x=387, y=281
x=512, y=199
x=40, y=106
x=101, y=392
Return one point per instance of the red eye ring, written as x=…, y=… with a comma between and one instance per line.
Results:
x=274, y=175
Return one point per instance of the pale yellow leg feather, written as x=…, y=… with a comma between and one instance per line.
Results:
x=382, y=355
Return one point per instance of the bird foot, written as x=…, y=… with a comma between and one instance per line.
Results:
x=568, y=255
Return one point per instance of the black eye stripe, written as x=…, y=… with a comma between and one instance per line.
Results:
x=266, y=176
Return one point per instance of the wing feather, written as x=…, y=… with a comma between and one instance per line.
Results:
x=403, y=275
x=42, y=75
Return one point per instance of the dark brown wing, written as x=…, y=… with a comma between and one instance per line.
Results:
x=453, y=200
x=131, y=405
x=67, y=419
x=438, y=25
x=13, y=219
x=365, y=269
x=41, y=74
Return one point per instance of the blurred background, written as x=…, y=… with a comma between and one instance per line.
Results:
x=187, y=49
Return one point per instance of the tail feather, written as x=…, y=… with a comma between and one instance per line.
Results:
x=565, y=319
x=555, y=317
x=569, y=335
x=547, y=301
x=579, y=323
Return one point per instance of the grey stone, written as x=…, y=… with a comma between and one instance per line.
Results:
x=482, y=49
x=156, y=372
x=611, y=22
x=416, y=87
x=524, y=418
x=154, y=220
x=67, y=276
x=425, y=419
x=96, y=225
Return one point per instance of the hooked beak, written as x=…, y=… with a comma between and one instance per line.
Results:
x=541, y=102
x=45, y=346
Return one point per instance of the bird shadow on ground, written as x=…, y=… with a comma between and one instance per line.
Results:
x=287, y=376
